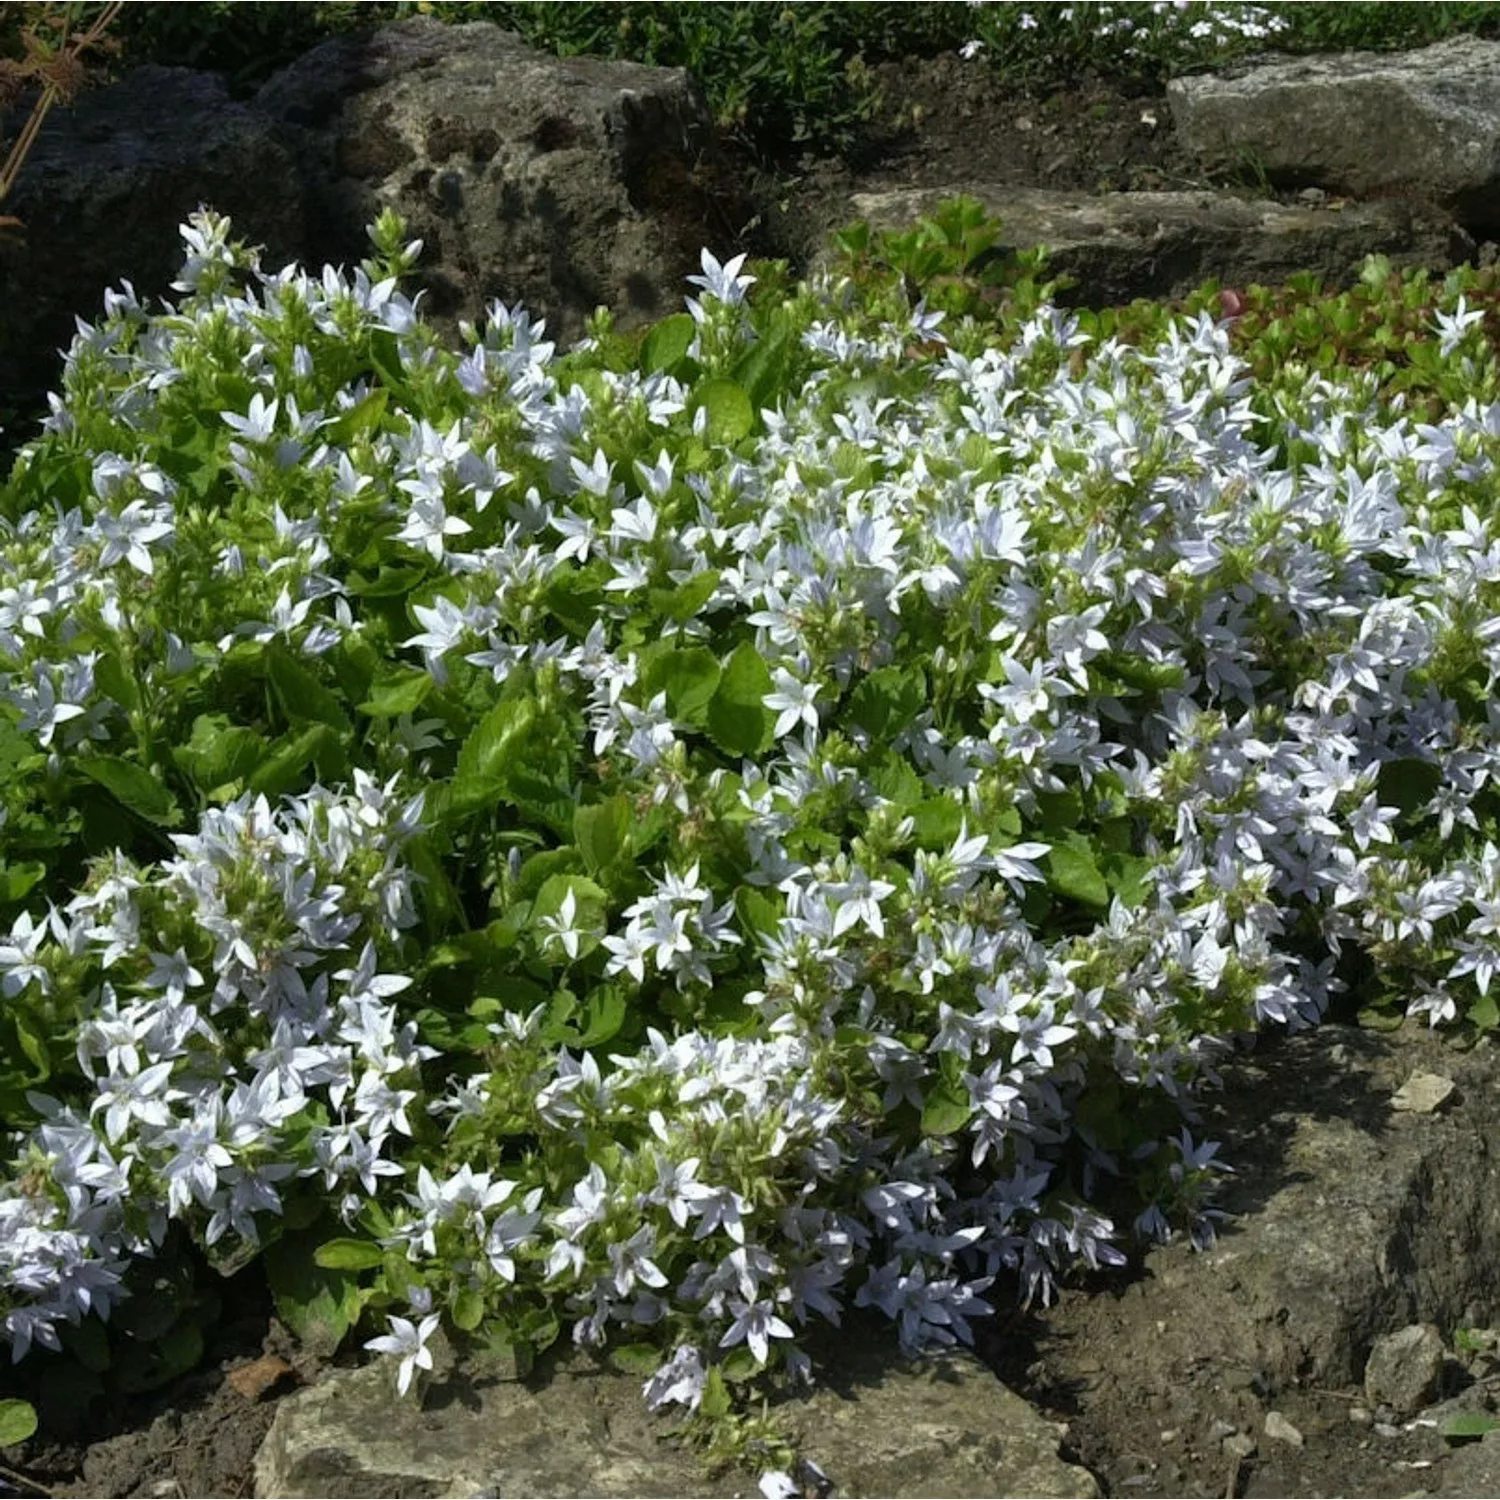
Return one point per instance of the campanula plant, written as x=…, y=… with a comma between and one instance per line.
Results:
x=666, y=842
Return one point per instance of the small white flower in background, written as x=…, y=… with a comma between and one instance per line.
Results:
x=407, y=1341
x=1455, y=327
x=562, y=928
x=723, y=281
x=794, y=702
x=259, y=426
x=756, y=1324
x=679, y=1381
x=968, y=52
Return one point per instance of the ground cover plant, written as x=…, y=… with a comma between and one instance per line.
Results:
x=664, y=843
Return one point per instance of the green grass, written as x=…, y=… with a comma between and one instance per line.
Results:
x=785, y=79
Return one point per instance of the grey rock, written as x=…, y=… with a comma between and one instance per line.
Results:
x=944, y=1426
x=567, y=184
x=103, y=191
x=1405, y=1368
x=1120, y=246
x=564, y=183
x=1426, y=123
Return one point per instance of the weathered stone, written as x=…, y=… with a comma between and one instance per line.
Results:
x=1119, y=246
x=564, y=183
x=942, y=1427
x=1424, y=123
x=1405, y=1368
x=103, y=191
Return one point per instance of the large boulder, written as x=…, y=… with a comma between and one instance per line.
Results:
x=1423, y=123
x=944, y=1426
x=1119, y=246
x=103, y=191
x=565, y=183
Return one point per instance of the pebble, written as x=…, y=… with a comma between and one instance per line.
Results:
x=1221, y=1429
x=1387, y=1430
x=1240, y=1446
x=1422, y=1094
x=1281, y=1430
x=1170, y=1435
x=1361, y=1414
x=1312, y=196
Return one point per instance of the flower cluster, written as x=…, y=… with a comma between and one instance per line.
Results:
x=688, y=837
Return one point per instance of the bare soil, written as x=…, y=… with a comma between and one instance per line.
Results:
x=944, y=122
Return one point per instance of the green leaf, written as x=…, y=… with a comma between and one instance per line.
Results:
x=716, y=1400
x=603, y=1015
x=111, y=678
x=1073, y=873
x=635, y=1359
x=1468, y=1424
x=738, y=722
x=489, y=751
x=17, y=880
x=391, y=582
x=888, y=700
x=758, y=913
x=762, y=369
x=87, y=1341
x=361, y=418
x=403, y=693
x=303, y=698
x=947, y=1108
x=142, y=1367
x=17, y=1422
x=220, y=752
x=348, y=1255
x=1373, y=1019
x=319, y=1305
x=286, y=766
x=1059, y=813
x=688, y=675
x=730, y=414
x=683, y=602
x=1129, y=877
x=1484, y=1013
x=33, y=1043
x=601, y=831
x=740, y=1365
x=385, y=355
x=1408, y=784
x=132, y=786
x=468, y=1310
x=936, y=821
x=668, y=342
